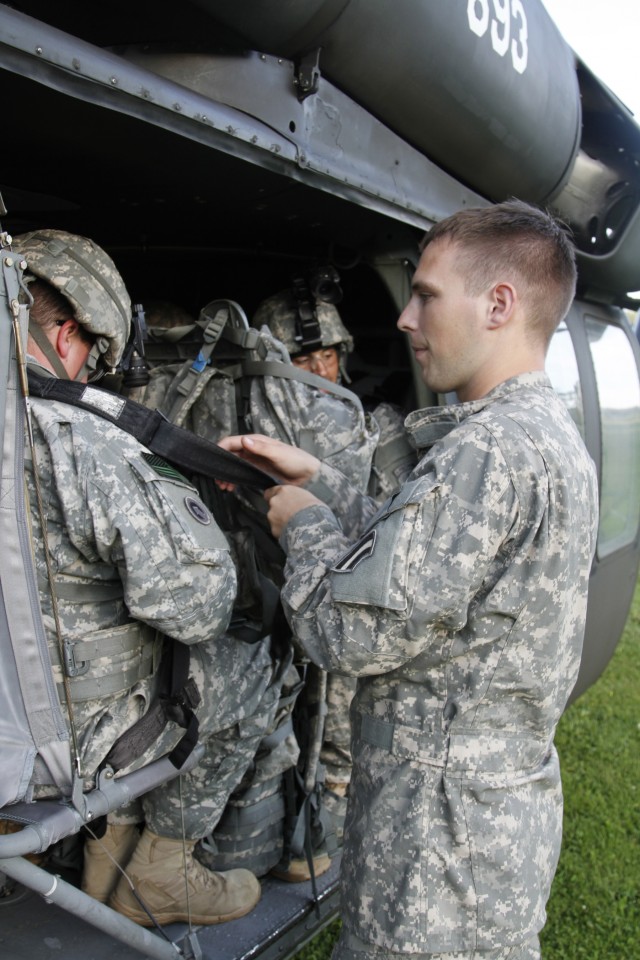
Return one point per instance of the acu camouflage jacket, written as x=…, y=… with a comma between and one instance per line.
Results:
x=460, y=604
x=134, y=555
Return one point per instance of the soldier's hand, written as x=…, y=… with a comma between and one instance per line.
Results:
x=281, y=460
x=284, y=502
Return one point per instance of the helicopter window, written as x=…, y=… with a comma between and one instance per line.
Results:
x=619, y=395
x=562, y=370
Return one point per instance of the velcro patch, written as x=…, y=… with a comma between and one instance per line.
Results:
x=164, y=469
x=359, y=552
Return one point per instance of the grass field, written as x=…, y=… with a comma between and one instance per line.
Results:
x=594, y=910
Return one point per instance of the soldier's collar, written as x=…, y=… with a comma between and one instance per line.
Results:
x=38, y=368
x=430, y=424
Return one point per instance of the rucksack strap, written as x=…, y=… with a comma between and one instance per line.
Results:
x=181, y=447
x=32, y=724
x=185, y=385
x=285, y=371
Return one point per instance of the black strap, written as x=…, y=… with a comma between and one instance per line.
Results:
x=177, y=703
x=184, y=698
x=181, y=447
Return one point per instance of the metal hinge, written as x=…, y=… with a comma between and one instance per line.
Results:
x=307, y=75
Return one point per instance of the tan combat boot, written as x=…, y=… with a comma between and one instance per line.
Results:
x=297, y=871
x=99, y=873
x=157, y=870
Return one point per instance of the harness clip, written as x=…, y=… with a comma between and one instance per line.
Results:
x=72, y=668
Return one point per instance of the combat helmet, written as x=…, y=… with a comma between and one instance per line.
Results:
x=280, y=313
x=88, y=278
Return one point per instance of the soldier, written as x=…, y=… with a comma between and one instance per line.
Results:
x=133, y=570
x=460, y=605
x=213, y=402
x=393, y=460
x=394, y=456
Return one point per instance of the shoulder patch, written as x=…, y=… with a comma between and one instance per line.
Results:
x=359, y=552
x=164, y=469
x=197, y=510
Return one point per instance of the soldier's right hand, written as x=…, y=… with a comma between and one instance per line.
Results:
x=284, y=502
x=290, y=464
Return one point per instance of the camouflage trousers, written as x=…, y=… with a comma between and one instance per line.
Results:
x=248, y=694
x=351, y=947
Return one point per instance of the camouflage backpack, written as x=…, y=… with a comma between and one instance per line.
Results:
x=219, y=377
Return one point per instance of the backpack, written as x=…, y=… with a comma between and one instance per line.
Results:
x=219, y=377
x=234, y=379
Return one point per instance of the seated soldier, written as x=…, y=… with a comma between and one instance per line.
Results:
x=394, y=457
x=393, y=460
x=241, y=381
x=133, y=567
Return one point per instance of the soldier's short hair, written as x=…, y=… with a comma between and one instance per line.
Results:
x=515, y=240
x=50, y=308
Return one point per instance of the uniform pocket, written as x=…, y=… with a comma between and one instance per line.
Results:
x=385, y=846
x=514, y=829
x=377, y=569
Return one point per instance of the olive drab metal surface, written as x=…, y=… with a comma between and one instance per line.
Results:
x=466, y=88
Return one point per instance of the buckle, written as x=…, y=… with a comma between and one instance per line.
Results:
x=71, y=666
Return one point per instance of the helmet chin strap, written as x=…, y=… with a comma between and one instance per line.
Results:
x=342, y=363
x=39, y=336
x=93, y=367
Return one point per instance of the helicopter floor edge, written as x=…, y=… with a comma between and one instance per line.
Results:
x=283, y=921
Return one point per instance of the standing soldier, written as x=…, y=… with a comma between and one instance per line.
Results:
x=460, y=606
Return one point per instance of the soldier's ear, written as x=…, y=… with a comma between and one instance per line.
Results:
x=502, y=301
x=65, y=339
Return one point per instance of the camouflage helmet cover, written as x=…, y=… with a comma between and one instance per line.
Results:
x=88, y=278
x=279, y=313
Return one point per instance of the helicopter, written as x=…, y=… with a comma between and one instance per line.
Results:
x=220, y=147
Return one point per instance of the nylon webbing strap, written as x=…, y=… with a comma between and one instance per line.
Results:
x=186, y=382
x=181, y=447
x=277, y=368
x=184, y=698
x=92, y=688
x=80, y=591
x=31, y=720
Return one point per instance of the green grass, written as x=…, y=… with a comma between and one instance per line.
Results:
x=594, y=909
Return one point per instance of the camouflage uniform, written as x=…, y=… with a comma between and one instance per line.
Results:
x=461, y=609
x=351, y=947
x=392, y=462
x=131, y=542
x=338, y=432
x=394, y=456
